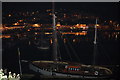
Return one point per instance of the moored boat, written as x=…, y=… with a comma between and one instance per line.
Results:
x=57, y=68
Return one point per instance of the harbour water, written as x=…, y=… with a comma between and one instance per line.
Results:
x=77, y=47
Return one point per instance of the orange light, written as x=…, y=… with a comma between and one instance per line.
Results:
x=9, y=15
x=77, y=25
x=58, y=25
x=77, y=33
x=20, y=20
x=28, y=30
x=50, y=13
x=1, y=28
x=36, y=33
x=16, y=23
x=5, y=36
x=74, y=40
x=48, y=33
x=51, y=41
x=64, y=40
x=110, y=21
x=36, y=25
x=97, y=25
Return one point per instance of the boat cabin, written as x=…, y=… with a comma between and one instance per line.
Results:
x=72, y=68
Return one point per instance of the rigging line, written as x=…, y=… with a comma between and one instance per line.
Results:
x=68, y=51
x=59, y=52
x=106, y=54
x=73, y=50
x=61, y=36
x=53, y=6
x=95, y=54
x=66, y=48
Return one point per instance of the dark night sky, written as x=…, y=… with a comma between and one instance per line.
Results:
x=106, y=9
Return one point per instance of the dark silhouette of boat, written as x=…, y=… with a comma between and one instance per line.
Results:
x=42, y=44
x=65, y=69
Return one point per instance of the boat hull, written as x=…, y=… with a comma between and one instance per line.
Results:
x=52, y=74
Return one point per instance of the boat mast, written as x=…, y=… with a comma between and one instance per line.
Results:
x=95, y=44
x=54, y=35
x=19, y=62
x=95, y=38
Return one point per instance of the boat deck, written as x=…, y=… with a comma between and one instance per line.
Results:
x=71, y=68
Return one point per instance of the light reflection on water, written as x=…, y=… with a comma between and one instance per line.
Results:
x=81, y=43
x=78, y=40
x=112, y=35
x=106, y=34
